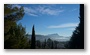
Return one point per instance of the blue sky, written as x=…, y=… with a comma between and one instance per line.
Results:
x=50, y=18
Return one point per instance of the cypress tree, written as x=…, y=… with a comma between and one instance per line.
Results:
x=33, y=39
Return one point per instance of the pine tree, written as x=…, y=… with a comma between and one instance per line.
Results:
x=13, y=13
x=33, y=39
x=77, y=39
x=14, y=34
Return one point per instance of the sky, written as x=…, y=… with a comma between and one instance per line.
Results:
x=50, y=18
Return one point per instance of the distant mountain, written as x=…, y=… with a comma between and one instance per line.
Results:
x=54, y=36
x=51, y=36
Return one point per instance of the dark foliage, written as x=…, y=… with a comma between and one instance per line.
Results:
x=33, y=39
x=13, y=13
x=77, y=39
x=14, y=35
x=52, y=45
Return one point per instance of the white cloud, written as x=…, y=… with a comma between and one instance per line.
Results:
x=31, y=14
x=15, y=5
x=71, y=29
x=49, y=11
x=30, y=11
x=73, y=9
x=41, y=9
x=64, y=25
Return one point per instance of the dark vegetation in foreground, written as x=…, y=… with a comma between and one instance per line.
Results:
x=15, y=36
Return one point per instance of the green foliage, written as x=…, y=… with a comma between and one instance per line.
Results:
x=8, y=24
x=16, y=38
x=14, y=35
x=13, y=13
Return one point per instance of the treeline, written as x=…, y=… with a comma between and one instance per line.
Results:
x=49, y=44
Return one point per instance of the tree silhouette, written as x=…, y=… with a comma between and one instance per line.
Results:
x=52, y=45
x=33, y=39
x=45, y=43
x=38, y=44
x=77, y=39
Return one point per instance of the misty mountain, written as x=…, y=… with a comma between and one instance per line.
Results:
x=51, y=36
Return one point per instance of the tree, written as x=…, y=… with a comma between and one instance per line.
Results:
x=77, y=39
x=14, y=35
x=33, y=39
x=52, y=45
x=49, y=43
x=55, y=44
x=45, y=43
x=38, y=44
x=13, y=13
x=16, y=38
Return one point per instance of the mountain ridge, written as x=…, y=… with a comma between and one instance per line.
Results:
x=54, y=36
